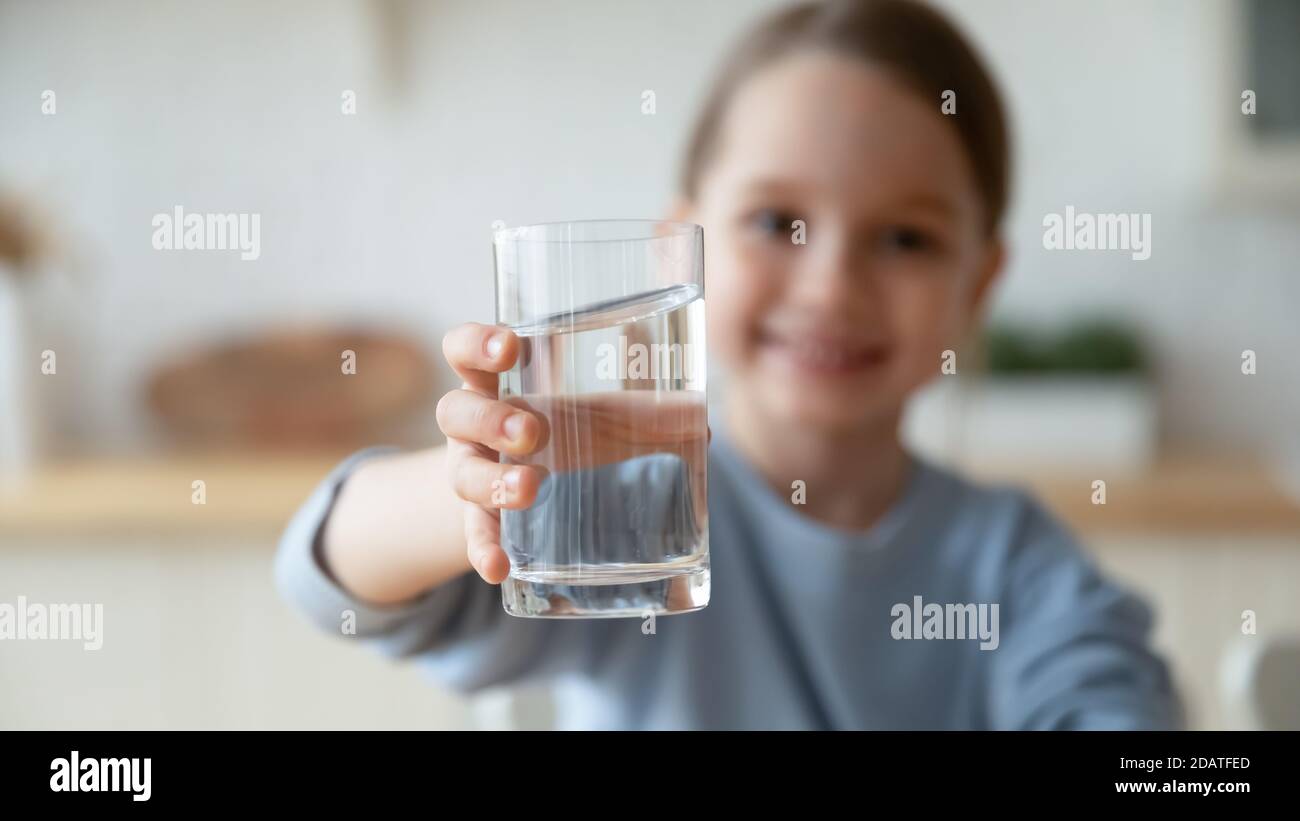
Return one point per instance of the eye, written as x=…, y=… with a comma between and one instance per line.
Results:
x=772, y=221
x=906, y=239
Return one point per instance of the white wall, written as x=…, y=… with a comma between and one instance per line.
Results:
x=475, y=111
x=1122, y=106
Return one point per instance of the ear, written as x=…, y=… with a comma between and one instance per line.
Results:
x=994, y=260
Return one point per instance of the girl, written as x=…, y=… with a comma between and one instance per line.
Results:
x=830, y=113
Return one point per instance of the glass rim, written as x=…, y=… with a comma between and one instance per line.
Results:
x=520, y=233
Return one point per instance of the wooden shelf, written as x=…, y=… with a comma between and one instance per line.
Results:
x=124, y=497
x=257, y=493
x=1182, y=494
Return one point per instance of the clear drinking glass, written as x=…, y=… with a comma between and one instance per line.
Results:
x=610, y=319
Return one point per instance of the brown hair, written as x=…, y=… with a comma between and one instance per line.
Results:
x=913, y=41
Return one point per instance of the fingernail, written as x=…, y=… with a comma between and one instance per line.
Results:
x=512, y=481
x=496, y=344
x=514, y=426
x=476, y=560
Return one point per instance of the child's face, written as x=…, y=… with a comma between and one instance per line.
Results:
x=836, y=333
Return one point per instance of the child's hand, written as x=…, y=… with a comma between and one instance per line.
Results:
x=565, y=433
x=478, y=427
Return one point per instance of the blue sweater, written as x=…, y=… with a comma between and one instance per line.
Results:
x=963, y=608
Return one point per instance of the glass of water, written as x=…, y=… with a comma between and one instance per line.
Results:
x=610, y=320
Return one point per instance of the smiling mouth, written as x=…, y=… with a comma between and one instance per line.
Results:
x=823, y=355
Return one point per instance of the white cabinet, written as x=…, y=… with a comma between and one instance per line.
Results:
x=194, y=636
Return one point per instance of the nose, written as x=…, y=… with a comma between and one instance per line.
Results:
x=832, y=273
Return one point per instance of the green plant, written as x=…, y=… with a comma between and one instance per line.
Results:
x=1084, y=346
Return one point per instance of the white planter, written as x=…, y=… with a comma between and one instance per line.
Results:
x=1057, y=423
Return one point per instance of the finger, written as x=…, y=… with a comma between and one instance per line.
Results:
x=491, y=484
x=482, y=537
x=472, y=417
x=477, y=353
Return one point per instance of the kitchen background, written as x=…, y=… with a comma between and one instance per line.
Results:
x=174, y=367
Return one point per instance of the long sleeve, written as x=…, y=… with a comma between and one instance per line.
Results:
x=458, y=630
x=1075, y=650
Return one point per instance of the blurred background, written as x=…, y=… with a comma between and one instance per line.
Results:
x=379, y=142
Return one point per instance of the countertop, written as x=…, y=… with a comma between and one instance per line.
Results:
x=256, y=493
